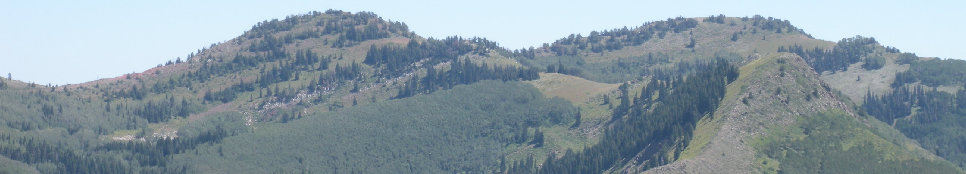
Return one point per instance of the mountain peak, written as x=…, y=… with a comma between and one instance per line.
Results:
x=775, y=96
x=340, y=92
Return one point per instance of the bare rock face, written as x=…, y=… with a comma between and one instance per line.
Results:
x=772, y=91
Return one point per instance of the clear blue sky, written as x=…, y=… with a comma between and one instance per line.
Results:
x=67, y=42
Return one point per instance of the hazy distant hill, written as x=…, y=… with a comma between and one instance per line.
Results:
x=339, y=92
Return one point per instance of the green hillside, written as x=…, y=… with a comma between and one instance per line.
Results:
x=830, y=142
x=464, y=129
x=341, y=92
x=779, y=117
x=921, y=97
x=277, y=72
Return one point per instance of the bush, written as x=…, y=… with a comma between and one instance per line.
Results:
x=873, y=63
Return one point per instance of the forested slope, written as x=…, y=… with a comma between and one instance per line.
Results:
x=340, y=92
x=463, y=129
x=780, y=117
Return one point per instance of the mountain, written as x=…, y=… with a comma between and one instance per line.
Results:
x=340, y=92
x=781, y=118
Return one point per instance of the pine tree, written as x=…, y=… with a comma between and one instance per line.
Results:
x=537, y=138
x=624, y=106
x=961, y=98
x=690, y=44
x=577, y=118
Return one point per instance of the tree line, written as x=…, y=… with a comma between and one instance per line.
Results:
x=846, y=52
x=616, y=39
x=933, y=118
x=769, y=24
x=163, y=110
x=656, y=132
x=349, y=28
x=396, y=60
x=64, y=160
x=158, y=152
x=934, y=72
x=931, y=105
x=463, y=72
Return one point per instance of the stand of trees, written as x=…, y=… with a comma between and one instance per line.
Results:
x=157, y=153
x=934, y=72
x=931, y=105
x=397, y=60
x=133, y=93
x=778, y=25
x=286, y=70
x=560, y=68
x=64, y=160
x=720, y=19
x=466, y=129
x=350, y=29
x=351, y=71
x=351, y=36
x=163, y=110
x=229, y=94
x=653, y=134
x=907, y=58
x=215, y=66
x=616, y=39
x=932, y=117
x=873, y=63
x=463, y=72
x=846, y=52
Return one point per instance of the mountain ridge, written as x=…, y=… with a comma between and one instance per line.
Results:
x=282, y=74
x=768, y=113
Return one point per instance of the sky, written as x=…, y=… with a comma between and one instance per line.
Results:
x=70, y=42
